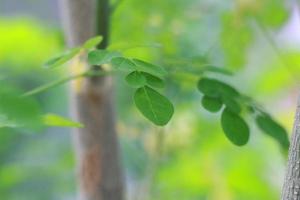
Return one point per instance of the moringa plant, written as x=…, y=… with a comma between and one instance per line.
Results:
x=148, y=80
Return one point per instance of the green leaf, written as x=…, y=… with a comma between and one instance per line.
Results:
x=211, y=104
x=56, y=120
x=153, y=105
x=217, y=70
x=153, y=81
x=16, y=111
x=234, y=127
x=273, y=129
x=135, y=79
x=123, y=64
x=150, y=68
x=99, y=57
x=215, y=88
x=232, y=104
x=62, y=59
x=92, y=42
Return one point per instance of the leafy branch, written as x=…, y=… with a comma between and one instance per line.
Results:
x=147, y=78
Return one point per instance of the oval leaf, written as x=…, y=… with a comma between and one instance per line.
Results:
x=234, y=127
x=123, y=64
x=150, y=68
x=153, y=81
x=153, y=105
x=56, y=120
x=135, y=79
x=273, y=129
x=92, y=42
x=99, y=57
x=211, y=104
x=215, y=88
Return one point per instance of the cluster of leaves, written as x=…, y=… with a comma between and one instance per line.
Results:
x=218, y=95
x=147, y=79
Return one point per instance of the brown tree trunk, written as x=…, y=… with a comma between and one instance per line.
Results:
x=96, y=145
x=291, y=187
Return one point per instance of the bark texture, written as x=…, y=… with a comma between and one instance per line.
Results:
x=96, y=145
x=291, y=187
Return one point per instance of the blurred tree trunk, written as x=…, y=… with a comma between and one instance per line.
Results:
x=96, y=145
x=291, y=187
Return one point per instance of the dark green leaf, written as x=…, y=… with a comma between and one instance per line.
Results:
x=232, y=104
x=149, y=68
x=99, y=57
x=273, y=129
x=92, y=42
x=211, y=104
x=62, y=59
x=234, y=127
x=215, y=88
x=123, y=64
x=153, y=81
x=56, y=120
x=136, y=79
x=153, y=105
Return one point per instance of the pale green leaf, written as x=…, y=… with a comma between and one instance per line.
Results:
x=56, y=120
x=149, y=68
x=62, y=59
x=99, y=57
x=92, y=42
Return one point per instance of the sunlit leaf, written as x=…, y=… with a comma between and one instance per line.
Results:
x=273, y=129
x=92, y=42
x=99, y=57
x=211, y=104
x=123, y=64
x=136, y=79
x=153, y=105
x=153, y=81
x=234, y=127
x=56, y=120
x=149, y=68
x=62, y=59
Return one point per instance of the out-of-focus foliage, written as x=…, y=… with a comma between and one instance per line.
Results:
x=190, y=158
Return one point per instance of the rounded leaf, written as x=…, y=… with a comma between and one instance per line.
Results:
x=135, y=79
x=234, y=127
x=153, y=105
x=153, y=81
x=123, y=64
x=211, y=104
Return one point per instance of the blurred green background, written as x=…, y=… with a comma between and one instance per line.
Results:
x=190, y=159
